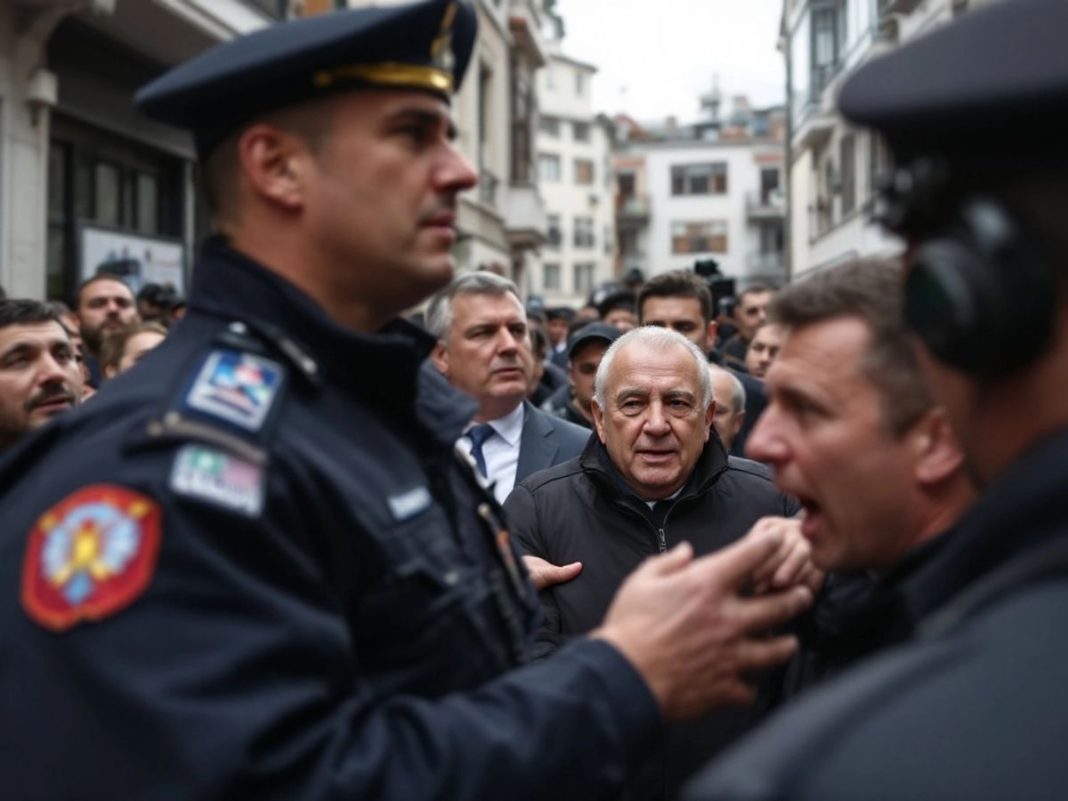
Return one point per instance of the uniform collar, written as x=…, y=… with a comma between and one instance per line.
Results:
x=598, y=464
x=383, y=368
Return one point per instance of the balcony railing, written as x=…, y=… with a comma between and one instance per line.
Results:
x=769, y=264
x=887, y=7
x=765, y=205
x=632, y=210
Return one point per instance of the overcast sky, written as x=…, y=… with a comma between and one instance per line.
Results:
x=655, y=57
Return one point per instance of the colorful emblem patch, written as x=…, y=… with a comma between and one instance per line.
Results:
x=218, y=477
x=90, y=555
x=238, y=387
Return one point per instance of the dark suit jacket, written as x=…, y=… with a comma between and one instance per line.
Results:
x=546, y=441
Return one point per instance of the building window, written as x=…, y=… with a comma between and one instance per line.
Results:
x=827, y=28
x=583, y=278
x=847, y=165
x=555, y=234
x=580, y=131
x=98, y=179
x=580, y=84
x=699, y=237
x=548, y=167
x=583, y=172
x=524, y=113
x=583, y=236
x=699, y=179
x=549, y=126
x=551, y=277
x=769, y=184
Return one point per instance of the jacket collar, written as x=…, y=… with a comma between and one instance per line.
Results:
x=382, y=368
x=597, y=464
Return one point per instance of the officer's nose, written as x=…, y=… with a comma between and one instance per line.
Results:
x=456, y=173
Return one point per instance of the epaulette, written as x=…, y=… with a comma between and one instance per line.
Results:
x=223, y=414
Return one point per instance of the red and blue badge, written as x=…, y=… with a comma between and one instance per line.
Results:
x=237, y=387
x=89, y=556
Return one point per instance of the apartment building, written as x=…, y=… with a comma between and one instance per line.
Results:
x=574, y=147
x=834, y=168
x=707, y=191
x=86, y=179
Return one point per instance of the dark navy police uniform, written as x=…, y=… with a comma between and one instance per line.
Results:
x=255, y=566
x=327, y=576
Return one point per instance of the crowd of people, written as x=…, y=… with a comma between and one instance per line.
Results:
x=285, y=543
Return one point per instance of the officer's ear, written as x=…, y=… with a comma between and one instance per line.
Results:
x=440, y=356
x=273, y=163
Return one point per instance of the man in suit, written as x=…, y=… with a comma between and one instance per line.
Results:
x=484, y=350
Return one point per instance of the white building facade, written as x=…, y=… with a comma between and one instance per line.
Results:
x=703, y=193
x=575, y=176
x=86, y=178
x=834, y=167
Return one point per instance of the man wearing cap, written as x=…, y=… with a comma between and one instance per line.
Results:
x=974, y=706
x=652, y=477
x=260, y=570
x=585, y=349
x=483, y=349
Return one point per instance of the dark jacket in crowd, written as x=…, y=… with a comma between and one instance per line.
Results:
x=975, y=705
x=291, y=594
x=857, y=615
x=582, y=510
x=559, y=405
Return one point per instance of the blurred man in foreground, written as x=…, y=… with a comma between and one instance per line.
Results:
x=974, y=707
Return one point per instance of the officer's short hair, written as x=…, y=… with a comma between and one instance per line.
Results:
x=218, y=174
x=439, y=311
x=20, y=311
x=677, y=284
x=870, y=290
x=655, y=338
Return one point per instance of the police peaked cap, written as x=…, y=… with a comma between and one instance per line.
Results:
x=424, y=45
x=992, y=84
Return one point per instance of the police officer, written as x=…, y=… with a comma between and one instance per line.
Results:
x=976, y=115
x=255, y=567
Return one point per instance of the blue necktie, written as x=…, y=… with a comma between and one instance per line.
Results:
x=478, y=435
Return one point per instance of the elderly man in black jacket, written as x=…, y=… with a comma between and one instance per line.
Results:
x=655, y=475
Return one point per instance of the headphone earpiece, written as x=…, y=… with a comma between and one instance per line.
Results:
x=978, y=295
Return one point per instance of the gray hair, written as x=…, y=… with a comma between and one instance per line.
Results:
x=737, y=399
x=439, y=312
x=657, y=338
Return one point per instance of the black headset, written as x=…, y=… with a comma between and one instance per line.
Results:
x=978, y=293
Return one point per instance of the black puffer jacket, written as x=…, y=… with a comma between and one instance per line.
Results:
x=581, y=510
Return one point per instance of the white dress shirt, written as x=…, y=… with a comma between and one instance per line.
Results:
x=501, y=451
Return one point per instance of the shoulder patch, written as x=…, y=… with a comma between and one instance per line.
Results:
x=89, y=556
x=237, y=387
x=213, y=475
